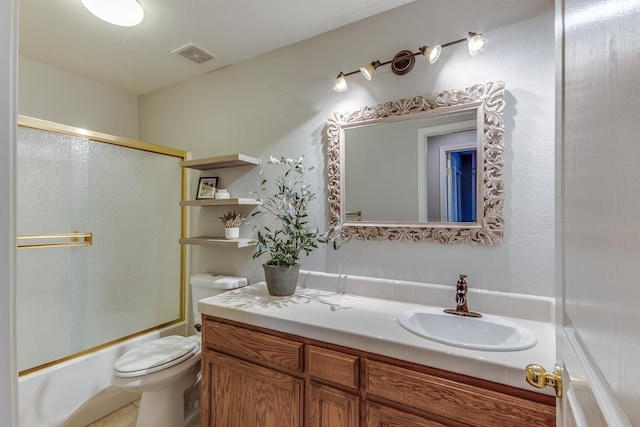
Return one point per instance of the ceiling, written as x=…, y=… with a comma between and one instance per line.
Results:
x=137, y=60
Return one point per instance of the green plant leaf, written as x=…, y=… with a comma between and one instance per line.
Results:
x=290, y=234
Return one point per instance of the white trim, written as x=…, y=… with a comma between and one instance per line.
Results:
x=422, y=174
x=445, y=166
x=574, y=410
x=449, y=128
x=588, y=372
x=8, y=73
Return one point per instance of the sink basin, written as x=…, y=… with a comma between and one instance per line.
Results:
x=488, y=333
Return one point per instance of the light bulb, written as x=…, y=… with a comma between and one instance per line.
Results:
x=477, y=43
x=432, y=53
x=341, y=83
x=125, y=13
x=369, y=69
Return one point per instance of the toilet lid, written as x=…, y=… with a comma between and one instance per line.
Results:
x=155, y=356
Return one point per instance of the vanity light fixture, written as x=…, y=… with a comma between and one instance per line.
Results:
x=124, y=13
x=368, y=70
x=403, y=61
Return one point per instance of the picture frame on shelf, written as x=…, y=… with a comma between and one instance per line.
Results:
x=207, y=187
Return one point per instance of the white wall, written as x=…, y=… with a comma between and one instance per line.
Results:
x=49, y=93
x=277, y=104
x=8, y=58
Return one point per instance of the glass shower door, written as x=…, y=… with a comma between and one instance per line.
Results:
x=52, y=198
x=76, y=293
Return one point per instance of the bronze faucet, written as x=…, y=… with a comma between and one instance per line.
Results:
x=461, y=300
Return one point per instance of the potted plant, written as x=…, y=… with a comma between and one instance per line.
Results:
x=289, y=235
x=231, y=221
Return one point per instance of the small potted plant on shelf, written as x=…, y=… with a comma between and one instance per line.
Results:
x=289, y=235
x=231, y=221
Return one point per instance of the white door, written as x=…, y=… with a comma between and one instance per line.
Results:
x=598, y=211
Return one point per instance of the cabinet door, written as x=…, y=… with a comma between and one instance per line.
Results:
x=383, y=416
x=238, y=393
x=329, y=407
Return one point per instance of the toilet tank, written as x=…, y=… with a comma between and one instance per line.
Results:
x=208, y=285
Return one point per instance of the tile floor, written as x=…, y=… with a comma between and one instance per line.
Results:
x=123, y=417
x=126, y=417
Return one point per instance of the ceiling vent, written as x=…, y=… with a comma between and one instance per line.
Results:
x=193, y=53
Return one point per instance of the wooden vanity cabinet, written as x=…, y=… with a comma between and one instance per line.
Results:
x=254, y=377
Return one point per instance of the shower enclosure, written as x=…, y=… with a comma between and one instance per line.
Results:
x=98, y=228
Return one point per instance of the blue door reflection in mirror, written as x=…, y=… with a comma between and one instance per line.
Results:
x=461, y=186
x=451, y=176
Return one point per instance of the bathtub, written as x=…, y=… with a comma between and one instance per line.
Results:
x=78, y=392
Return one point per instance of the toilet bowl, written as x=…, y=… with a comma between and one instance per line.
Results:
x=165, y=369
x=161, y=370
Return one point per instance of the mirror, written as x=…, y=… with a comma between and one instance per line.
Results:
x=422, y=169
x=425, y=167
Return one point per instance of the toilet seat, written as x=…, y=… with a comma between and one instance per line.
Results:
x=155, y=356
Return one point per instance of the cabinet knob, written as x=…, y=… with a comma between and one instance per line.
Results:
x=538, y=377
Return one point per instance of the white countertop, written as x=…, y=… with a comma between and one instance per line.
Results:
x=370, y=324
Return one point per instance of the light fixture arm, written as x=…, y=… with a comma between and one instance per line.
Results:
x=455, y=42
x=408, y=55
x=402, y=58
x=391, y=61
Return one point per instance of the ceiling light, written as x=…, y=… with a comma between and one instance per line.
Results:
x=125, y=13
x=369, y=69
x=402, y=63
x=341, y=83
x=476, y=43
x=432, y=53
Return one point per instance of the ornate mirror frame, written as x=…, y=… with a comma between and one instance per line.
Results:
x=488, y=229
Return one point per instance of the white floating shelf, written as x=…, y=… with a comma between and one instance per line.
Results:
x=229, y=161
x=217, y=242
x=220, y=202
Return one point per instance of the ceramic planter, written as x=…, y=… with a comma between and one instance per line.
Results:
x=282, y=280
x=232, y=233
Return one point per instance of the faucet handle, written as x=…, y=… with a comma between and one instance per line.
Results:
x=461, y=300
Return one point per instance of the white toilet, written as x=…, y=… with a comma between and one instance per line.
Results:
x=167, y=370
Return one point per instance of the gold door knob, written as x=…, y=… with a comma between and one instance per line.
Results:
x=537, y=376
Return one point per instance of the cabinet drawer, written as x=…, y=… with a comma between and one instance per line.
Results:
x=254, y=346
x=465, y=404
x=334, y=366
